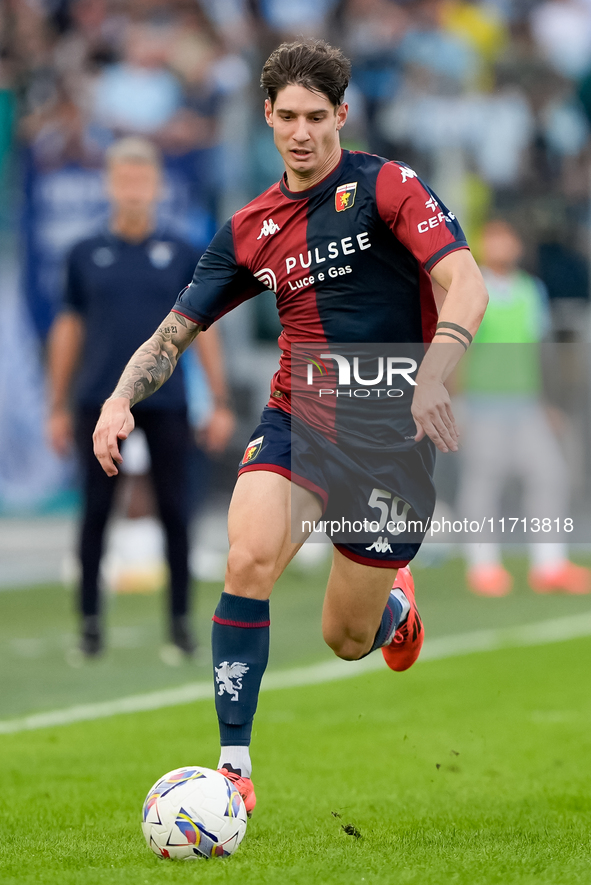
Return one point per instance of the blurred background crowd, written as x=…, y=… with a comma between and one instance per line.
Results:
x=489, y=101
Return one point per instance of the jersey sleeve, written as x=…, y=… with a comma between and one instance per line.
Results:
x=219, y=283
x=416, y=216
x=74, y=293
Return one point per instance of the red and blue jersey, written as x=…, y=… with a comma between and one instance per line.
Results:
x=348, y=260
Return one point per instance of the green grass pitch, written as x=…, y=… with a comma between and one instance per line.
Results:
x=471, y=771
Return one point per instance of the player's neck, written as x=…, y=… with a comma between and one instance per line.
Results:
x=303, y=182
x=131, y=226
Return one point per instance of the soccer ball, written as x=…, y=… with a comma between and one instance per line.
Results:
x=193, y=812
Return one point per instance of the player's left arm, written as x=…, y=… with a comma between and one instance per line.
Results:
x=460, y=316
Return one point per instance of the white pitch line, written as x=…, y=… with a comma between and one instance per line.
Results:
x=540, y=633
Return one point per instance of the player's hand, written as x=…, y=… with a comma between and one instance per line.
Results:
x=115, y=423
x=432, y=412
x=217, y=434
x=60, y=431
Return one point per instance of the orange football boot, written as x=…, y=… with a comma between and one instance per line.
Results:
x=567, y=578
x=245, y=787
x=489, y=580
x=406, y=645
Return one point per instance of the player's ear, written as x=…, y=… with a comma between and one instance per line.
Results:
x=342, y=112
x=269, y=112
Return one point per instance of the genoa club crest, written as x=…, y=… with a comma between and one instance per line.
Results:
x=345, y=196
x=252, y=450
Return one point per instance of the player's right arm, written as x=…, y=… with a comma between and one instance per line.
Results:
x=219, y=284
x=150, y=366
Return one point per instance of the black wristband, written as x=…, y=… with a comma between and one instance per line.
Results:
x=456, y=328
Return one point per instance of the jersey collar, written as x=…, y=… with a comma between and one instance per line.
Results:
x=312, y=191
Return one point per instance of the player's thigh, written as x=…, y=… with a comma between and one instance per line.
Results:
x=355, y=598
x=266, y=527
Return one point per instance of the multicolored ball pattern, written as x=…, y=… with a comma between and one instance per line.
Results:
x=192, y=813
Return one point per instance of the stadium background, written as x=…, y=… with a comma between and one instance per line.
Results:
x=491, y=103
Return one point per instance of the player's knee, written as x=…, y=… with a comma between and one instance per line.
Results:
x=249, y=572
x=346, y=646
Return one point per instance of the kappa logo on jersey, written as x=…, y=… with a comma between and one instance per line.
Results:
x=252, y=450
x=345, y=196
x=268, y=229
x=380, y=545
x=267, y=277
x=407, y=173
x=229, y=678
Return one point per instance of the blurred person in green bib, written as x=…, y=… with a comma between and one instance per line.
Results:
x=508, y=432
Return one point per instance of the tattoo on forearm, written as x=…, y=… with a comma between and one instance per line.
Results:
x=454, y=326
x=451, y=335
x=154, y=362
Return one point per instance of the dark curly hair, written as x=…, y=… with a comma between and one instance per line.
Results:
x=311, y=63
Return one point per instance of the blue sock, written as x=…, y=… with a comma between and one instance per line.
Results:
x=240, y=646
x=390, y=619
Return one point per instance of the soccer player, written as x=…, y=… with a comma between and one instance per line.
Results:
x=118, y=285
x=348, y=241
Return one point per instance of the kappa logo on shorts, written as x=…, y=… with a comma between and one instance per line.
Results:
x=381, y=545
x=345, y=196
x=252, y=450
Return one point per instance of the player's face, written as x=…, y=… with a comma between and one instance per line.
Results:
x=133, y=187
x=306, y=131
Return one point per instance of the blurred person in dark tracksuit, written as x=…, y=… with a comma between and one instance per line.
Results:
x=126, y=277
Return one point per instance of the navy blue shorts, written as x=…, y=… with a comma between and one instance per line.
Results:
x=368, y=496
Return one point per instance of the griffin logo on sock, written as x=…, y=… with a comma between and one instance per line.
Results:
x=229, y=678
x=252, y=450
x=345, y=196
